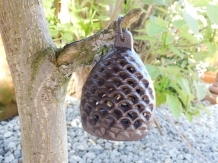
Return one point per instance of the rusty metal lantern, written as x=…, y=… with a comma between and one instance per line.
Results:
x=118, y=98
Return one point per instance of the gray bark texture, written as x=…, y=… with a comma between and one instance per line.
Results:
x=41, y=73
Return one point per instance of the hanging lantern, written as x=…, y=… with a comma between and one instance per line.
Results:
x=118, y=98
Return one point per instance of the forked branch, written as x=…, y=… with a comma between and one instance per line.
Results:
x=79, y=53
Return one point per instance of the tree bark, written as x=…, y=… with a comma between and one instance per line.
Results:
x=39, y=86
x=41, y=73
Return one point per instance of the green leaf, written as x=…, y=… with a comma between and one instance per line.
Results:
x=185, y=97
x=213, y=69
x=201, y=91
x=200, y=3
x=189, y=117
x=104, y=17
x=160, y=98
x=178, y=23
x=144, y=37
x=183, y=83
x=176, y=51
x=153, y=71
x=192, y=23
x=175, y=105
x=155, y=2
x=53, y=32
x=211, y=47
x=153, y=29
x=169, y=38
x=188, y=36
x=198, y=56
x=67, y=36
x=212, y=12
x=200, y=106
x=159, y=21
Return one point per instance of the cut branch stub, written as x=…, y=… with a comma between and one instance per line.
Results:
x=118, y=95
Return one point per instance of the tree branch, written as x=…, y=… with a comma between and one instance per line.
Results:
x=79, y=53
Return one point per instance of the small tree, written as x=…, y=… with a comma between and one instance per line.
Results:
x=41, y=73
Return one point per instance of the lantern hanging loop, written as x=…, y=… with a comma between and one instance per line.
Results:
x=122, y=38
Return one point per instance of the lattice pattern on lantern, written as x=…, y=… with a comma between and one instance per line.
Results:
x=118, y=98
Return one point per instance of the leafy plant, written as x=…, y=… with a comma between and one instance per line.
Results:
x=82, y=19
x=180, y=36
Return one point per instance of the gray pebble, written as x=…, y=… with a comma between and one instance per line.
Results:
x=14, y=161
x=90, y=155
x=102, y=156
x=172, y=153
x=75, y=158
x=16, y=128
x=106, y=160
x=3, y=123
x=95, y=148
x=82, y=147
x=97, y=160
x=100, y=141
x=8, y=134
x=188, y=157
x=9, y=158
x=180, y=157
x=17, y=154
x=1, y=158
x=11, y=146
x=108, y=145
x=168, y=160
x=81, y=153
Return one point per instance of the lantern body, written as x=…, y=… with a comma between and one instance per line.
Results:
x=118, y=98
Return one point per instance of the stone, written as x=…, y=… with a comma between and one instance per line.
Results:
x=90, y=155
x=14, y=161
x=121, y=146
x=72, y=160
x=129, y=148
x=135, y=158
x=19, y=147
x=103, y=155
x=188, y=157
x=168, y=160
x=1, y=152
x=3, y=123
x=81, y=153
x=106, y=160
x=75, y=123
x=11, y=146
x=180, y=157
x=9, y=158
x=16, y=128
x=8, y=134
x=17, y=154
x=172, y=153
x=95, y=148
x=97, y=160
x=108, y=145
x=82, y=147
x=75, y=158
x=100, y=141
x=1, y=158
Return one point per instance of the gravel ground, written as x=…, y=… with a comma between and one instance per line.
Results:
x=202, y=134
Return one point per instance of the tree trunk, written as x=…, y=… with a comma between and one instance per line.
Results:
x=41, y=73
x=39, y=86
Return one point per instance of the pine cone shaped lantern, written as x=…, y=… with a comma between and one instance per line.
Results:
x=118, y=98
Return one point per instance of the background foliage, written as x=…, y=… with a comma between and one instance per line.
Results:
x=180, y=40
